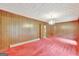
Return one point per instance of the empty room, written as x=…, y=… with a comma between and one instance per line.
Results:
x=39, y=29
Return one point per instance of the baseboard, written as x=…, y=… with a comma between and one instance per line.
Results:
x=18, y=44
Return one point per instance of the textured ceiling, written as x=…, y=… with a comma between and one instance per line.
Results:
x=61, y=12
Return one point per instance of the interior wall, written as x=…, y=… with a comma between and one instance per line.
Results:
x=77, y=37
x=0, y=32
x=50, y=30
x=16, y=29
x=66, y=29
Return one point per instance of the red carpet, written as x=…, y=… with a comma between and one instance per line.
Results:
x=44, y=47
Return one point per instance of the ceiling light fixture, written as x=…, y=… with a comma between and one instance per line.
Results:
x=52, y=21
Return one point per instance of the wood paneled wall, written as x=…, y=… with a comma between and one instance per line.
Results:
x=16, y=28
x=0, y=32
x=66, y=29
x=77, y=37
x=50, y=30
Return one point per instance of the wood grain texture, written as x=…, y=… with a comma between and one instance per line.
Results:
x=13, y=30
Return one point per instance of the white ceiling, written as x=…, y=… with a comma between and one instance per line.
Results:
x=61, y=12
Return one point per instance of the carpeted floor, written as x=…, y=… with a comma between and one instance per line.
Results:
x=44, y=47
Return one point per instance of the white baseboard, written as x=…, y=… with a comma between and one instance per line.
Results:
x=18, y=44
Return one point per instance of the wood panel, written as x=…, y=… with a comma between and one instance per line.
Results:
x=43, y=29
x=66, y=29
x=0, y=32
x=16, y=29
x=77, y=37
x=50, y=30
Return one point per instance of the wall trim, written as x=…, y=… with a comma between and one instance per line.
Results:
x=18, y=44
